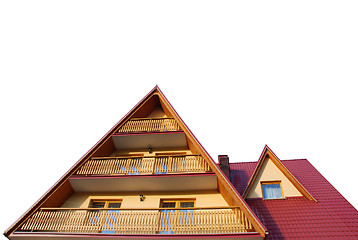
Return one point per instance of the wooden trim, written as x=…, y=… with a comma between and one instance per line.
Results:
x=143, y=209
x=142, y=176
x=156, y=118
x=142, y=155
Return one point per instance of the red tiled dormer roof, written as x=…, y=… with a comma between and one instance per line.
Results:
x=331, y=217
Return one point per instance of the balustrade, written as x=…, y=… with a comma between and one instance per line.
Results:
x=140, y=221
x=150, y=125
x=144, y=165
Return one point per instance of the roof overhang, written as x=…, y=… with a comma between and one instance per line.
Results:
x=134, y=183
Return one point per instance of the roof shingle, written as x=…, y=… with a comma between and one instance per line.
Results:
x=332, y=217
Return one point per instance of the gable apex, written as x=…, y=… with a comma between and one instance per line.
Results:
x=269, y=168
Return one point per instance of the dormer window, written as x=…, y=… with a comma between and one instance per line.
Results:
x=272, y=190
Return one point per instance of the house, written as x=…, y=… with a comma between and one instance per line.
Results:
x=150, y=178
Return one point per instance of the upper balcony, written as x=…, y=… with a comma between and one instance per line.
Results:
x=139, y=133
x=138, y=125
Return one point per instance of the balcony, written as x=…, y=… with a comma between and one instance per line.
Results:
x=144, y=165
x=157, y=173
x=150, y=125
x=220, y=220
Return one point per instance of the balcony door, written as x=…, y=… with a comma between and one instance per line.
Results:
x=109, y=215
x=172, y=219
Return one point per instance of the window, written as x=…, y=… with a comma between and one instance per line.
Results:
x=110, y=218
x=272, y=190
x=166, y=226
x=105, y=204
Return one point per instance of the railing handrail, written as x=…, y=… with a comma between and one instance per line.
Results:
x=142, y=209
x=131, y=157
x=156, y=118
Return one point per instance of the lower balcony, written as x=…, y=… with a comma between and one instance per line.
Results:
x=109, y=221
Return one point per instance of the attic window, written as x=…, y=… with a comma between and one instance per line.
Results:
x=272, y=190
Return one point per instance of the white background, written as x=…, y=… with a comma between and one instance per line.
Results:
x=241, y=74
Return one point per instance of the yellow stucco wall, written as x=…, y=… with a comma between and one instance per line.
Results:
x=125, y=152
x=269, y=172
x=152, y=199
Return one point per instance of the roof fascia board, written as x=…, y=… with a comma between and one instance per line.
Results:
x=268, y=152
x=87, y=155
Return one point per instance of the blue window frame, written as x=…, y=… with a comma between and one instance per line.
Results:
x=271, y=190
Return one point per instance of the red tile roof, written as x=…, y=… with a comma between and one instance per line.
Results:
x=332, y=217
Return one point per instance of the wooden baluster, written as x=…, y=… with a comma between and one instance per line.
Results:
x=158, y=125
x=33, y=221
x=92, y=167
x=58, y=220
x=169, y=164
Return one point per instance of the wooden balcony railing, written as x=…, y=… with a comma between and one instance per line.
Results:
x=144, y=165
x=140, y=221
x=150, y=125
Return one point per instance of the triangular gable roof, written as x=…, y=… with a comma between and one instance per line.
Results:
x=267, y=152
x=229, y=193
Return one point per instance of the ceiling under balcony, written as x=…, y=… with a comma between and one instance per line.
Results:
x=150, y=140
x=128, y=183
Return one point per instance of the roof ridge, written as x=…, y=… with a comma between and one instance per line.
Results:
x=243, y=162
x=296, y=159
x=286, y=160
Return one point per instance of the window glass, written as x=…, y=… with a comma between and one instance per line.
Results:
x=271, y=190
x=97, y=204
x=114, y=204
x=186, y=204
x=168, y=204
